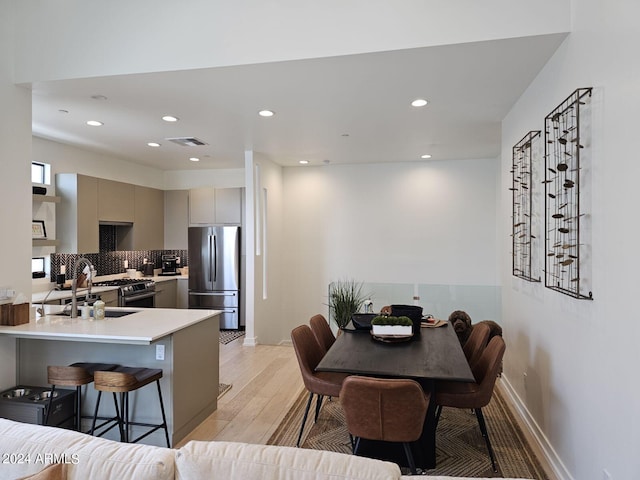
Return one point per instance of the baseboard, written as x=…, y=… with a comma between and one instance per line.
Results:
x=250, y=341
x=549, y=458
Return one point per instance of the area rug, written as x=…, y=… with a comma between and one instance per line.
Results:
x=222, y=389
x=227, y=336
x=461, y=450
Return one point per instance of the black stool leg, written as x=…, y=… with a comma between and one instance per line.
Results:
x=49, y=403
x=95, y=413
x=78, y=407
x=118, y=417
x=124, y=405
x=164, y=417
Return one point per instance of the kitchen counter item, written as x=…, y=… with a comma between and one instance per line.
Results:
x=169, y=265
x=147, y=269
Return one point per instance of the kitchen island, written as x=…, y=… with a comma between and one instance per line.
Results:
x=183, y=343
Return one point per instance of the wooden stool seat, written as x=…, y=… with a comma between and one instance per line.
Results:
x=74, y=375
x=124, y=380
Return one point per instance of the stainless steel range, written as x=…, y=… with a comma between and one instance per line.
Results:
x=133, y=292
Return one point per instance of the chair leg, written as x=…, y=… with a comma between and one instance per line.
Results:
x=356, y=447
x=485, y=434
x=318, y=405
x=438, y=412
x=304, y=418
x=409, y=454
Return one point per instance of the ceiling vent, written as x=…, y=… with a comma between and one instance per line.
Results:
x=187, y=141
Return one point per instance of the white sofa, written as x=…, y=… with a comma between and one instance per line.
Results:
x=27, y=449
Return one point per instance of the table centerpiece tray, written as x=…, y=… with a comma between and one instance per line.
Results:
x=391, y=338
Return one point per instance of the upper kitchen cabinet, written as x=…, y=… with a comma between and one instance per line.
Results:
x=176, y=219
x=77, y=213
x=148, y=223
x=116, y=201
x=221, y=206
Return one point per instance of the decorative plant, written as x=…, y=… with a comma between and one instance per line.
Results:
x=389, y=320
x=345, y=299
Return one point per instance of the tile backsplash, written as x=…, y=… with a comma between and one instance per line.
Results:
x=111, y=263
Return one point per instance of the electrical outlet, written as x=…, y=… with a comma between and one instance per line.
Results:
x=159, y=352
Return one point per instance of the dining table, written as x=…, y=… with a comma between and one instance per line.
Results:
x=433, y=355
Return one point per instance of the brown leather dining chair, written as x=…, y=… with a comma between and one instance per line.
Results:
x=477, y=394
x=476, y=343
x=391, y=410
x=309, y=354
x=322, y=331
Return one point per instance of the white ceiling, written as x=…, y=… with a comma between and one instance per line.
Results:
x=349, y=109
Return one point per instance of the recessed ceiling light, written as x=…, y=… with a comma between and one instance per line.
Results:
x=170, y=118
x=425, y=156
x=303, y=162
x=194, y=159
x=419, y=102
x=153, y=144
x=95, y=123
x=266, y=113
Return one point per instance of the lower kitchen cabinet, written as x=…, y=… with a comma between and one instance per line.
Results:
x=166, y=294
x=183, y=292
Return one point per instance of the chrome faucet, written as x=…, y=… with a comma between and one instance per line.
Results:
x=74, y=284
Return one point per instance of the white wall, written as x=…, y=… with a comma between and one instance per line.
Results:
x=581, y=357
x=75, y=38
x=15, y=184
x=424, y=222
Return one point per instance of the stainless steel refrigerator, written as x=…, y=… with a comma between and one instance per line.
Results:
x=214, y=271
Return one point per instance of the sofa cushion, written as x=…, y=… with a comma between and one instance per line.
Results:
x=229, y=460
x=85, y=456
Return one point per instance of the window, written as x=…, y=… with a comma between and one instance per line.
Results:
x=40, y=173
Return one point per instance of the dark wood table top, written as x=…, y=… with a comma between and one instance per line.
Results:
x=435, y=354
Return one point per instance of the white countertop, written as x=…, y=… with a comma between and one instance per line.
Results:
x=55, y=295
x=143, y=327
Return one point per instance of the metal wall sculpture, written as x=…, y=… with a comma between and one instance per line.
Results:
x=524, y=219
x=567, y=246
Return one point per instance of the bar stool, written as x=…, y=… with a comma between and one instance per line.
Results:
x=123, y=380
x=74, y=375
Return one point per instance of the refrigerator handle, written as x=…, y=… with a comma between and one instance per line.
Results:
x=210, y=255
x=215, y=258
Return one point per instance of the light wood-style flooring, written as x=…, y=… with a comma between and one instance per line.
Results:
x=265, y=382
